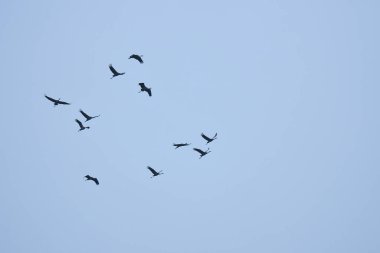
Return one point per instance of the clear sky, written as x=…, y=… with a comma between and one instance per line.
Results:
x=291, y=87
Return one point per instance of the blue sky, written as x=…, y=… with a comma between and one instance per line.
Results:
x=291, y=87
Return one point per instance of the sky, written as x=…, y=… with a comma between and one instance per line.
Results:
x=291, y=87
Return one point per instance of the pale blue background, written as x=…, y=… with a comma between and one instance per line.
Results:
x=291, y=87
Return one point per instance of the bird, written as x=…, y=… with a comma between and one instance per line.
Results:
x=137, y=57
x=208, y=139
x=114, y=72
x=180, y=145
x=56, y=102
x=88, y=177
x=144, y=88
x=155, y=173
x=81, y=125
x=203, y=153
x=87, y=116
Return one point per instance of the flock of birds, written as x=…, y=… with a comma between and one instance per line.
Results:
x=143, y=88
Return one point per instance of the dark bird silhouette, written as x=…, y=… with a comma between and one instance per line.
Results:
x=144, y=88
x=155, y=173
x=87, y=116
x=81, y=125
x=208, y=139
x=201, y=152
x=114, y=72
x=56, y=102
x=180, y=145
x=88, y=177
x=137, y=57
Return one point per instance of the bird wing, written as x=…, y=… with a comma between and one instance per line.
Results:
x=205, y=137
x=215, y=136
x=79, y=123
x=113, y=70
x=51, y=99
x=152, y=170
x=198, y=150
x=88, y=176
x=138, y=57
x=96, y=181
x=62, y=102
x=142, y=85
x=84, y=114
x=149, y=92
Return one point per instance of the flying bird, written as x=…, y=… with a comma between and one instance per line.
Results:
x=144, y=88
x=155, y=173
x=208, y=139
x=137, y=57
x=201, y=152
x=180, y=145
x=56, y=102
x=114, y=72
x=88, y=177
x=87, y=116
x=81, y=125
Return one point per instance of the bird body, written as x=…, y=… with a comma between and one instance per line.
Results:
x=114, y=72
x=144, y=88
x=137, y=57
x=81, y=127
x=208, y=139
x=201, y=152
x=56, y=101
x=88, y=117
x=155, y=173
x=88, y=177
x=180, y=145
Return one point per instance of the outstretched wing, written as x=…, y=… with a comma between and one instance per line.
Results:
x=88, y=177
x=142, y=85
x=79, y=123
x=84, y=114
x=62, y=102
x=95, y=180
x=205, y=137
x=215, y=136
x=149, y=92
x=113, y=70
x=51, y=99
x=152, y=170
x=198, y=150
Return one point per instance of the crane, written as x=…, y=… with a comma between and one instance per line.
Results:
x=208, y=139
x=88, y=177
x=137, y=57
x=155, y=173
x=180, y=145
x=201, y=152
x=81, y=125
x=56, y=101
x=114, y=72
x=87, y=116
x=144, y=88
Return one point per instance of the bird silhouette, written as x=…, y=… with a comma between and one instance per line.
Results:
x=180, y=145
x=114, y=72
x=88, y=177
x=201, y=152
x=87, y=116
x=137, y=57
x=56, y=101
x=144, y=88
x=81, y=125
x=208, y=139
x=155, y=173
